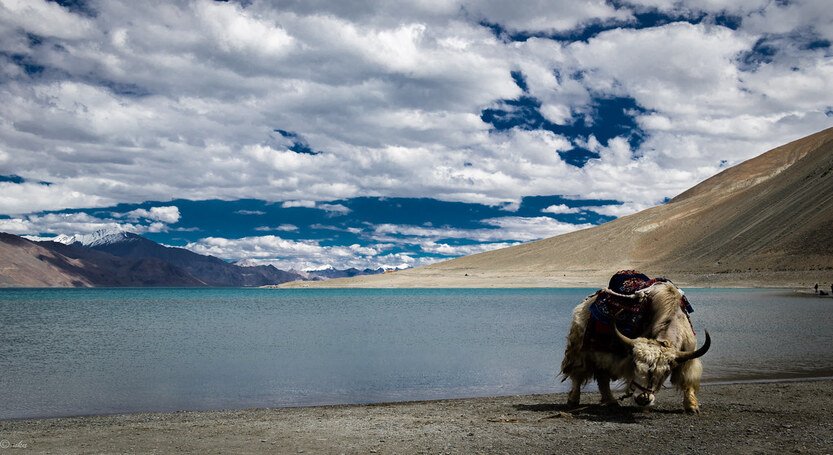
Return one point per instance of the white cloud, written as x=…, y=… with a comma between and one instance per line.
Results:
x=27, y=197
x=282, y=227
x=505, y=229
x=302, y=255
x=43, y=18
x=461, y=250
x=235, y=31
x=789, y=17
x=156, y=219
x=616, y=210
x=335, y=209
x=561, y=209
x=166, y=214
x=545, y=15
x=64, y=223
x=295, y=204
x=144, y=102
x=678, y=68
x=16, y=226
x=252, y=247
x=533, y=228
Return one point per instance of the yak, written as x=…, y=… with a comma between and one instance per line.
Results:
x=662, y=342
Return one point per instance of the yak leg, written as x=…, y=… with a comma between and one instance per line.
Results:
x=574, y=397
x=604, y=390
x=687, y=379
x=690, y=401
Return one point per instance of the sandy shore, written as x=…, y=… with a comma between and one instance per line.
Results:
x=443, y=275
x=749, y=418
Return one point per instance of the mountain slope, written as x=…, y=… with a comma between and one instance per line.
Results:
x=102, y=269
x=208, y=270
x=120, y=259
x=25, y=263
x=51, y=264
x=767, y=221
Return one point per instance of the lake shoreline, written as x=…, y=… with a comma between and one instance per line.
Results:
x=786, y=378
x=771, y=417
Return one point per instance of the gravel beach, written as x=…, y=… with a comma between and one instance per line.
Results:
x=744, y=418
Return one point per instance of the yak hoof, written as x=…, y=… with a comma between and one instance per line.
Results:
x=572, y=403
x=614, y=403
x=694, y=410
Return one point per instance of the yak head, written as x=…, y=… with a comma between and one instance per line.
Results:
x=653, y=361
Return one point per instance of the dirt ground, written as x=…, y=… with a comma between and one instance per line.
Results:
x=749, y=418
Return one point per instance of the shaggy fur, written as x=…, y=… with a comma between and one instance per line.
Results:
x=651, y=360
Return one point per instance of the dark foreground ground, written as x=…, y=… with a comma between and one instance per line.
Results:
x=776, y=418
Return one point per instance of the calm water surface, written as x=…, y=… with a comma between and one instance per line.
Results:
x=92, y=351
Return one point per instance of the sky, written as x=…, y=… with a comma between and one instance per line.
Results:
x=347, y=133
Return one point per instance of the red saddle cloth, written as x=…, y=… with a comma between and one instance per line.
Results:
x=631, y=315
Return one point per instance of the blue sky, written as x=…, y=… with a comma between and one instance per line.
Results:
x=362, y=134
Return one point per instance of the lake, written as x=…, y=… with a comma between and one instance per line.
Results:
x=98, y=351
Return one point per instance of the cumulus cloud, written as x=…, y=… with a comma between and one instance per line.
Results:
x=519, y=229
x=461, y=250
x=167, y=214
x=546, y=15
x=23, y=198
x=66, y=223
x=617, y=210
x=282, y=227
x=533, y=228
x=44, y=19
x=335, y=209
x=113, y=106
x=302, y=255
x=295, y=204
x=561, y=209
x=153, y=220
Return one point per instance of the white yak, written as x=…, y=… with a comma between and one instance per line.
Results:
x=665, y=348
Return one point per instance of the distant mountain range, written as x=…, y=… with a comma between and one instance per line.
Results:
x=117, y=258
x=766, y=222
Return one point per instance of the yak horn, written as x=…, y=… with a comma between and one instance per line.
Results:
x=683, y=356
x=627, y=341
x=638, y=295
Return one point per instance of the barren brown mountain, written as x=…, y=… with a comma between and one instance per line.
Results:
x=765, y=222
x=131, y=261
x=25, y=263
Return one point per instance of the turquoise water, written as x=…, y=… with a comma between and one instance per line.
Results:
x=93, y=351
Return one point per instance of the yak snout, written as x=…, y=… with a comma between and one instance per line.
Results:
x=644, y=399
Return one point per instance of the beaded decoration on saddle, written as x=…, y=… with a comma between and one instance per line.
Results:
x=631, y=315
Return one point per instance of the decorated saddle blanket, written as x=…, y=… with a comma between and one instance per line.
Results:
x=632, y=316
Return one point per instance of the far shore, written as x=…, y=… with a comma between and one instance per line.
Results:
x=748, y=417
x=437, y=277
x=798, y=290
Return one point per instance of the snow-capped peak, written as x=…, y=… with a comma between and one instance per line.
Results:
x=248, y=263
x=106, y=236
